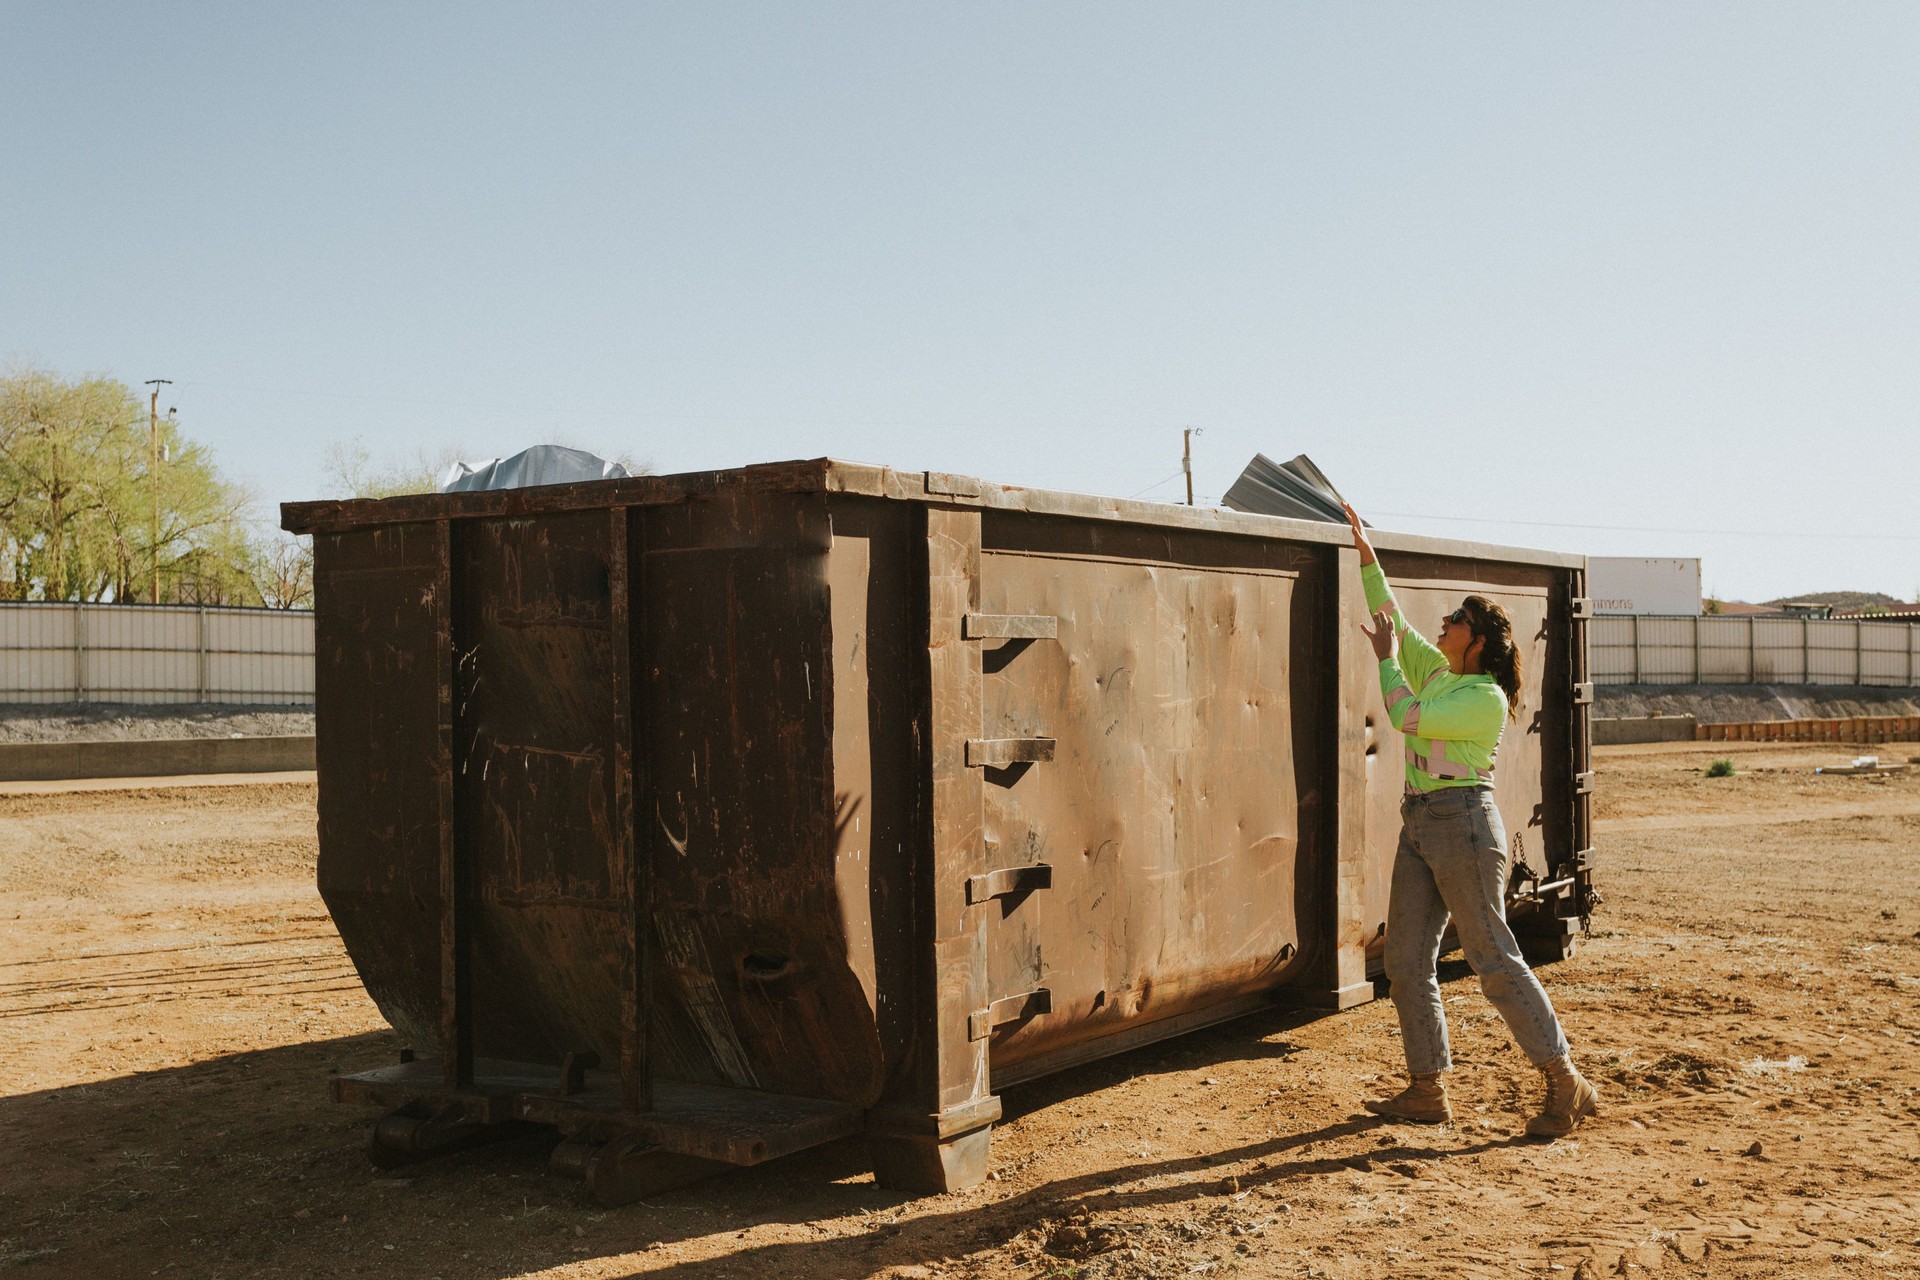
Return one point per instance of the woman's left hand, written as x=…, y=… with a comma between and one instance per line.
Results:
x=1386, y=640
x=1354, y=522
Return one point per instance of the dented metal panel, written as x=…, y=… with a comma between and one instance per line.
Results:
x=1174, y=808
x=757, y=986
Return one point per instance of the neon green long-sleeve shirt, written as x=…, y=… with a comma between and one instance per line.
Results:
x=1451, y=722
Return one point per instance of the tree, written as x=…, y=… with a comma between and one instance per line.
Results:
x=57, y=473
x=85, y=512
x=283, y=572
x=352, y=472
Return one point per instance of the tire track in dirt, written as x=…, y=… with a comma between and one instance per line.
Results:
x=1801, y=814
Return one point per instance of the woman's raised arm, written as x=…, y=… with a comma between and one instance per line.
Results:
x=1414, y=655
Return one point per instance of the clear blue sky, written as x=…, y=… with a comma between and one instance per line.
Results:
x=1501, y=270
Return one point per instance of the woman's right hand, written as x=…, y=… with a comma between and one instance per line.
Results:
x=1385, y=637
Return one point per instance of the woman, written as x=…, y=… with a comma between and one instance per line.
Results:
x=1451, y=701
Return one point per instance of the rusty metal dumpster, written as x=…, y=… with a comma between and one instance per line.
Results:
x=709, y=817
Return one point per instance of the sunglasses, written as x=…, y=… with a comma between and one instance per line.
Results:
x=1458, y=616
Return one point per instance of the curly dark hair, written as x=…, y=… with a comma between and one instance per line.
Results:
x=1499, y=655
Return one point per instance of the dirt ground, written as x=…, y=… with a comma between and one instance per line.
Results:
x=173, y=1000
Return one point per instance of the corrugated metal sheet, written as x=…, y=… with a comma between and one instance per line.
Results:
x=1886, y=654
x=1779, y=649
x=1667, y=649
x=58, y=652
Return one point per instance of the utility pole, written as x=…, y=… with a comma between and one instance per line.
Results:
x=153, y=476
x=1186, y=457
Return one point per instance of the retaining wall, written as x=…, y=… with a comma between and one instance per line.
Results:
x=153, y=757
x=1625, y=729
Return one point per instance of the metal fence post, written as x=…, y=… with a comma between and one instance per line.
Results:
x=1753, y=652
x=1636, y=648
x=1696, y=648
x=1859, y=654
x=1806, y=652
x=79, y=652
x=203, y=653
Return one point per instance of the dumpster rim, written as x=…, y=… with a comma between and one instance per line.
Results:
x=834, y=476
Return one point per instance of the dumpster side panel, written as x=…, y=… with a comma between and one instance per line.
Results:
x=1579, y=728
x=1564, y=735
x=1429, y=587
x=380, y=617
x=756, y=985
x=1184, y=813
x=879, y=604
x=535, y=667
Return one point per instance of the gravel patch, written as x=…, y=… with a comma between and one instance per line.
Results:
x=119, y=721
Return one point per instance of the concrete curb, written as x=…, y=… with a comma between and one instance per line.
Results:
x=153, y=757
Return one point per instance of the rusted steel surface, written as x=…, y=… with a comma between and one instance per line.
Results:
x=381, y=651
x=1186, y=787
x=868, y=790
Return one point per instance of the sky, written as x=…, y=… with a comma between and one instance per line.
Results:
x=1620, y=279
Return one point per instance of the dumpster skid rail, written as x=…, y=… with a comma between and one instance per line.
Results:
x=691, y=1131
x=706, y=818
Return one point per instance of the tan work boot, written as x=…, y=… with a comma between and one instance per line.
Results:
x=1423, y=1101
x=1570, y=1099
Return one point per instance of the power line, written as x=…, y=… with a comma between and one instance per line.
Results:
x=1637, y=528
x=1156, y=484
x=645, y=417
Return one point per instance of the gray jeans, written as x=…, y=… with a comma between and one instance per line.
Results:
x=1453, y=859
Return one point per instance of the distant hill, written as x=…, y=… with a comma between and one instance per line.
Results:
x=1842, y=599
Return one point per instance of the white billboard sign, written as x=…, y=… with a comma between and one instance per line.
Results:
x=1630, y=584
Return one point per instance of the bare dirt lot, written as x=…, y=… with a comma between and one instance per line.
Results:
x=173, y=999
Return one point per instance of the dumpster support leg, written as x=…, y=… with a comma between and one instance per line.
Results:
x=422, y=1130
x=931, y=1165
x=946, y=1152
x=629, y=1167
